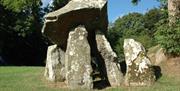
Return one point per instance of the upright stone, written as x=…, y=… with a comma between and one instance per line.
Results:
x=139, y=69
x=78, y=60
x=90, y=13
x=113, y=68
x=54, y=70
x=89, y=59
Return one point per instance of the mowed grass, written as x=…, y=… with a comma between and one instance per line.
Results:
x=31, y=79
x=23, y=79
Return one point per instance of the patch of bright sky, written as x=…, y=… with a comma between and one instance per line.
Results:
x=118, y=8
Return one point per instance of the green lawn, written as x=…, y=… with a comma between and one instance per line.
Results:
x=31, y=79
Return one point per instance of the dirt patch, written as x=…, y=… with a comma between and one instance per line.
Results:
x=57, y=85
x=171, y=66
x=50, y=84
x=168, y=65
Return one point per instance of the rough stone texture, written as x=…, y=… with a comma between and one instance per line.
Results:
x=173, y=10
x=139, y=70
x=91, y=13
x=113, y=68
x=157, y=55
x=89, y=59
x=78, y=60
x=54, y=70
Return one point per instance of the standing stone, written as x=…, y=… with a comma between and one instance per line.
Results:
x=78, y=60
x=139, y=69
x=54, y=70
x=89, y=61
x=91, y=13
x=113, y=68
x=157, y=55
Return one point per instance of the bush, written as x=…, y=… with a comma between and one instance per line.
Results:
x=169, y=37
x=140, y=27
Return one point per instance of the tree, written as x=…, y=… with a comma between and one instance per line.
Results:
x=169, y=37
x=28, y=14
x=140, y=27
x=168, y=32
x=20, y=27
x=56, y=4
x=128, y=26
x=152, y=17
x=173, y=10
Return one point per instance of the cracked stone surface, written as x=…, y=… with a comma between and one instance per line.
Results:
x=89, y=61
x=54, y=70
x=78, y=60
x=113, y=68
x=91, y=13
x=139, y=69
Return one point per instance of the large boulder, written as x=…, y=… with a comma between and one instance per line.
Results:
x=91, y=13
x=54, y=70
x=89, y=60
x=112, y=66
x=139, y=69
x=157, y=55
x=78, y=60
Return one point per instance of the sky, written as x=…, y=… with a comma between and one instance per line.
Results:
x=118, y=8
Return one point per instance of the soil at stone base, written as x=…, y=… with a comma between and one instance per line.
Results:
x=171, y=67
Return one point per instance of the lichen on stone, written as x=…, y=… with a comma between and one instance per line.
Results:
x=139, y=69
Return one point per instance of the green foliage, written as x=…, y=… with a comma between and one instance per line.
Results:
x=137, y=26
x=20, y=32
x=169, y=37
x=163, y=3
x=57, y=4
x=135, y=2
x=129, y=26
x=21, y=41
x=26, y=15
x=152, y=17
x=20, y=5
x=31, y=79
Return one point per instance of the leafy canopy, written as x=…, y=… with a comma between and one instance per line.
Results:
x=140, y=27
x=20, y=5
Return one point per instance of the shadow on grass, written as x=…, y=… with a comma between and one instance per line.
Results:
x=157, y=72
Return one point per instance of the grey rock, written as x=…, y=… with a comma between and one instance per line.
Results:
x=54, y=70
x=113, y=68
x=78, y=60
x=139, y=69
x=91, y=13
x=89, y=60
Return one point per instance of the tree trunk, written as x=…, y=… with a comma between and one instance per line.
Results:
x=173, y=10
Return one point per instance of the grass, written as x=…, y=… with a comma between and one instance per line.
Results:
x=31, y=79
x=23, y=79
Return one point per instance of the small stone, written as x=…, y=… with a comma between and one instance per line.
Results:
x=139, y=69
x=54, y=70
